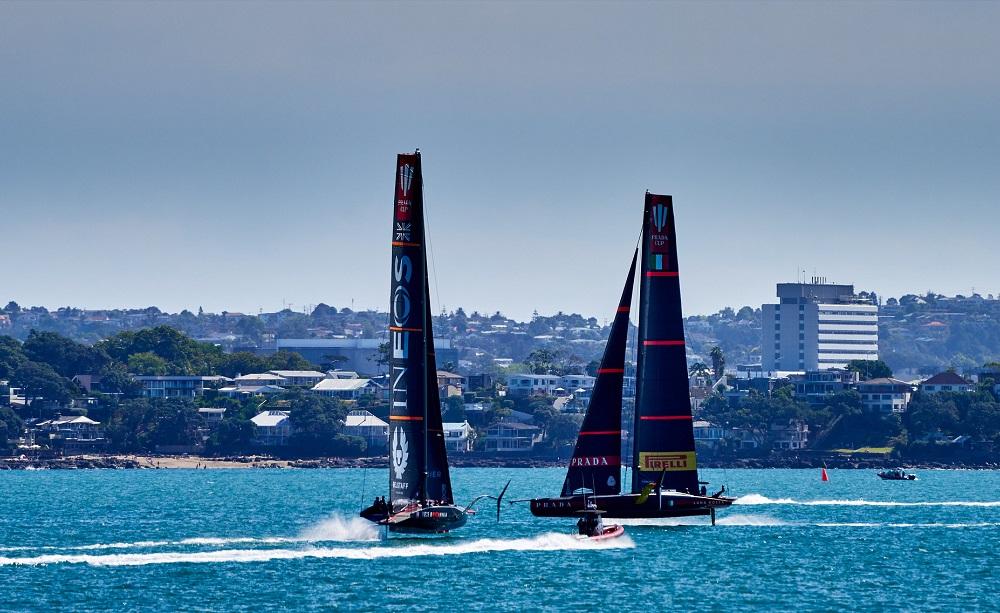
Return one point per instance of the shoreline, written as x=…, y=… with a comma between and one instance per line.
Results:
x=173, y=462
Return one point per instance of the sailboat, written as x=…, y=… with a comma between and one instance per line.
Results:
x=420, y=495
x=664, y=472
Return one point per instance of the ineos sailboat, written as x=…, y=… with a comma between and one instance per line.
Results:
x=420, y=495
x=664, y=473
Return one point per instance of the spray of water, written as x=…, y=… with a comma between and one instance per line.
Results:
x=757, y=499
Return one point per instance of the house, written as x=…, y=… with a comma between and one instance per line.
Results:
x=212, y=415
x=446, y=378
x=885, y=395
x=299, y=378
x=708, y=434
x=369, y=427
x=258, y=379
x=90, y=383
x=512, y=437
x=573, y=383
x=532, y=385
x=342, y=374
x=71, y=434
x=478, y=382
x=175, y=386
x=948, y=381
x=233, y=391
x=791, y=434
x=346, y=389
x=459, y=437
x=272, y=428
x=815, y=386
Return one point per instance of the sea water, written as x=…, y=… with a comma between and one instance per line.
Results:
x=256, y=540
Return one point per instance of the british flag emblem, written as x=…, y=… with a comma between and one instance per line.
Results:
x=403, y=231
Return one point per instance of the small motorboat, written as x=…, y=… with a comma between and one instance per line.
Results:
x=897, y=474
x=591, y=527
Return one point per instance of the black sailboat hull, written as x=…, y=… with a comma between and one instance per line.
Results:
x=433, y=519
x=667, y=504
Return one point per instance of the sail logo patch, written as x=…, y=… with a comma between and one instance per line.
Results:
x=405, y=179
x=599, y=460
x=400, y=452
x=659, y=219
x=660, y=461
x=658, y=236
x=404, y=231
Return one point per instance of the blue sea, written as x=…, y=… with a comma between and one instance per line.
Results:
x=257, y=540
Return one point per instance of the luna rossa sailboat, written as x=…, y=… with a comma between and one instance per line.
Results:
x=664, y=472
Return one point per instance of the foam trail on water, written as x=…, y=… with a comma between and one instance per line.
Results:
x=757, y=499
x=903, y=525
x=332, y=529
x=544, y=542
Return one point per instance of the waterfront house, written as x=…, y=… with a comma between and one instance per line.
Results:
x=71, y=434
x=272, y=428
x=375, y=431
x=512, y=437
x=258, y=379
x=789, y=435
x=459, y=437
x=233, y=391
x=885, y=395
x=532, y=385
x=176, y=386
x=816, y=386
x=299, y=378
x=707, y=434
x=212, y=415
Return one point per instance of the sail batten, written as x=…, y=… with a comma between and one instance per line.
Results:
x=663, y=446
x=596, y=462
x=418, y=465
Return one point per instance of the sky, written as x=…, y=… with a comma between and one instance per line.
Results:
x=240, y=156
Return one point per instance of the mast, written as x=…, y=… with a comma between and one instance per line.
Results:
x=663, y=433
x=596, y=461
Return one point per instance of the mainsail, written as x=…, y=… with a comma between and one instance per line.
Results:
x=596, y=463
x=663, y=447
x=418, y=464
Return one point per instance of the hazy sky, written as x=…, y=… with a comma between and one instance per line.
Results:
x=235, y=155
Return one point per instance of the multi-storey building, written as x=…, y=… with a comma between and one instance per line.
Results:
x=816, y=326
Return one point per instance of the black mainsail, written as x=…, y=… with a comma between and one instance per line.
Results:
x=663, y=447
x=664, y=477
x=417, y=458
x=596, y=463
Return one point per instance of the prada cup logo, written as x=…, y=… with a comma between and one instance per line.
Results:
x=659, y=217
x=405, y=179
x=400, y=453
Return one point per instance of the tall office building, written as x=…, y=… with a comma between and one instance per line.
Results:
x=816, y=326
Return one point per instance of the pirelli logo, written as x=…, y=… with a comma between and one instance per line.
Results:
x=659, y=461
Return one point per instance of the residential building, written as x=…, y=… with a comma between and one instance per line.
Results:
x=885, y=395
x=175, y=386
x=258, y=379
x=459, y=437
x=232, y=391
x=375, y=431
x=815, y=386
x=342, y=374
x=707, y=434
x=272, y=428
x=789, y=435
x=817, y=326
x=483, y=381
x=346, y=389
x=357, y=354
x=532, y=385
x=449, y=378
x=212, y=415
x=948, y=381
x=299, y=378
x=71, y=434
x=512, y=437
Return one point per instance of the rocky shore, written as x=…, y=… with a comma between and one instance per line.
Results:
x=195, y=462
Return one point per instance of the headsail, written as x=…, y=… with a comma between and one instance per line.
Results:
x=663, y=449
x=418, y=467
x=596, y=462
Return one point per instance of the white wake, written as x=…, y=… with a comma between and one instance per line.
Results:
x=723, y=520
x=544, y=542
x=757, y=499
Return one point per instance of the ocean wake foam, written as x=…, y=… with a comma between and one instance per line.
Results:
x=757, y=499
x=544, y=542
x=728, y=520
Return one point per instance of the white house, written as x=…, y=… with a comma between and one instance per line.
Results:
x=258, y=379
x=212, y=415
x=272, y=428
x=233, y=391
x=458, y=437
x=947, y=381
x=299, y=378
x=369, y=427
x=885, y=395
x=791, y=434
x=346, y=389
x=707, y=433
x=532, y=385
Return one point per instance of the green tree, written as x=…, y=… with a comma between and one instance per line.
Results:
x=148, y=363
x=11, y=356
x=870, y=369
x=40, y=381
x=65, y=356
x=718, y=361
x=11, y=427
x=542, y=361
x=454, y=409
